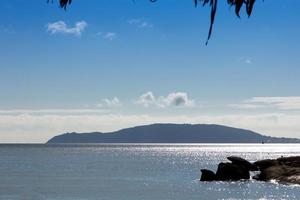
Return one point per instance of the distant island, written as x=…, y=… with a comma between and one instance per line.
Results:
x=172, y=133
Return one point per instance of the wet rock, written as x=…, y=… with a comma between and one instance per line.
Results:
x=264, y=164
x=232, y=172
x=207, y=175
x=290, y=161
x=242, y=162
x=284, y=170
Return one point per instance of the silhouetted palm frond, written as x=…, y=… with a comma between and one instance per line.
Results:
x=63, y=3
x=238, y=4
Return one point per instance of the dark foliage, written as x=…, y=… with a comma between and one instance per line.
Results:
x=63, y=3
x=238, y=4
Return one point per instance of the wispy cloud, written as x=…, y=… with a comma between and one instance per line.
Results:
x=248, y=61
x=114, y=102
x=51, y=111
x=140, y=23
x=146, y=99
x=146, y=25
x=175, y=99
x=282, y=103
x=62, y=28
x=245, y=106
x=107, y=35
x=110, y=36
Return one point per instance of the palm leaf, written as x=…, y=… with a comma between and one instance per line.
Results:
x=238, y=4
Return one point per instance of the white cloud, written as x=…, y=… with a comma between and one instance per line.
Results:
x=146, y=25
x=110, y=36
x=175, y=99
x=62, y=27
x=146, y=99
x=114, y=102
x=52, y=111
x=282, y=103
x=140, y=23
x=245, y=106
x=107, y=35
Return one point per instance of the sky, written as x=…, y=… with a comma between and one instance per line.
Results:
x=106, y=65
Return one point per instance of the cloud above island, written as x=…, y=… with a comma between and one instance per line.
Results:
x=114, y=102
x=281, y=103
x=174, y=99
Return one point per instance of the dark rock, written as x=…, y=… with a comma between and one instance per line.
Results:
x=207, y=175
x=242, y=162
x=283, y=170
x=290, y=161
x=232, y=172
x=264, y=164
x=270, y=173
x=281, y=173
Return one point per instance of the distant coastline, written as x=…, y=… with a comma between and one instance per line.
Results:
x=172, y=133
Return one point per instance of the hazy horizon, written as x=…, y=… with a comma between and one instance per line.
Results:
x=108, y=65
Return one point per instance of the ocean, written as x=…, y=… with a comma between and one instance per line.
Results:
x=133, y=172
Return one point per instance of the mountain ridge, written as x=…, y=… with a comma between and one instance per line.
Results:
x=172, y=133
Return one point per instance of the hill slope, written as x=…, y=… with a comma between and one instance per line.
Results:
x=172, y=133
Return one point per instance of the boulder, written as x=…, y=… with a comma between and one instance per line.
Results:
x=293, y=161
x=264, y=164
x=283, y=170
x=242, y=162
x=232, y=172
x=207, y=175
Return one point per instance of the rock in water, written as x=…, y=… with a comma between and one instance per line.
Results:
x=207, y=175
x=232, y=172
x=293, y=161
x=242, y=162
x=264, y=164
x=284, y=170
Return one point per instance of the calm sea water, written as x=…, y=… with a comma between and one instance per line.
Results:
x=132, y=172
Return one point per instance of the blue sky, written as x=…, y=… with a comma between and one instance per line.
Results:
x=105, y=65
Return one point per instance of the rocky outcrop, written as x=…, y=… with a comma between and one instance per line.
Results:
x=207, y=175
x=235, y=170
x=232, y=172
x=242, y=162
x=283, y=170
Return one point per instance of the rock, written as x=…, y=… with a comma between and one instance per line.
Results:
x=280, y=173
x=232, y=172
x=263, y=164
x=284, y=170
x=207, y=175
x=270, y=173
x=242, y=162
x=290, y=161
